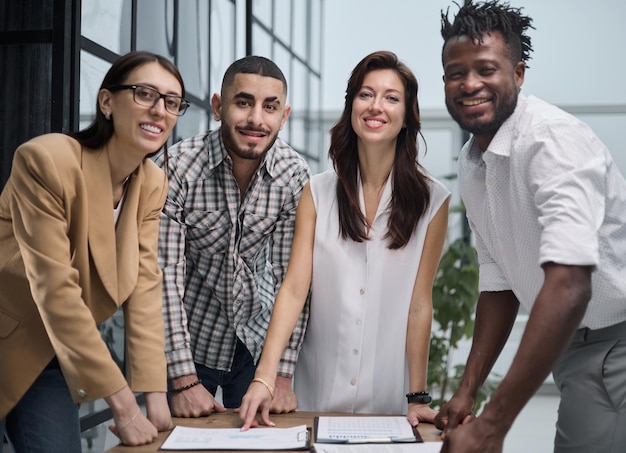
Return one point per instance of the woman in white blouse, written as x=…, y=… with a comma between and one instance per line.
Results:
x=368, y=240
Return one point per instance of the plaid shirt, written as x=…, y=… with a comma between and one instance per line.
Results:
x=223, y=257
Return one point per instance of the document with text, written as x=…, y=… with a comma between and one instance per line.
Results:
x=364, y=429
x=186, y=438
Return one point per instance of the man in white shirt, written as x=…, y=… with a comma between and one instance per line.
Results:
x=547, y=204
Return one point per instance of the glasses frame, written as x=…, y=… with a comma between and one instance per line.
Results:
x=184, y=104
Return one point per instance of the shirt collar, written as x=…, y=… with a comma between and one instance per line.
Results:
x=501, y=144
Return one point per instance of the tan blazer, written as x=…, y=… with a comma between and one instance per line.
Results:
x=64, y=267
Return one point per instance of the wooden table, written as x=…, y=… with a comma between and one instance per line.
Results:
x=231, y=420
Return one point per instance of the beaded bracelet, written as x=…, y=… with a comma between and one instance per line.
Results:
x=262, y=381
x=186, y=387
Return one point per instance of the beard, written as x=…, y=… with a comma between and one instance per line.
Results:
x=473, y=125
x=251, y=152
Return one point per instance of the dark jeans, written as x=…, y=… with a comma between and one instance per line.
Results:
x=234, y=383
x=46, y=419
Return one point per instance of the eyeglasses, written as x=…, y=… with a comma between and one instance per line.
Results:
x=149, y=97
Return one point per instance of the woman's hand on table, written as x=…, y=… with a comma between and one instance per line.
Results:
x=420, y=413
x=257, y=397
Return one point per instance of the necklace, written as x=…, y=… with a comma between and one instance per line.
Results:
x=124, y=183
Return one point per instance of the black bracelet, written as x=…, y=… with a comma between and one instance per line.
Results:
x=186, y=387
x=418, y=397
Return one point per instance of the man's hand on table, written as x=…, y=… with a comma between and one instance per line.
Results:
x=284, y=397
x=196, y=401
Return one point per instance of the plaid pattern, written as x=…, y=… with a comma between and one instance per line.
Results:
x=223, y=260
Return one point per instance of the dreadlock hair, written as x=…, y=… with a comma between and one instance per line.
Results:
x=410, y=193
x=475, y=20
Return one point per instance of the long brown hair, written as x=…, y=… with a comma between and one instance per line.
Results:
x=411, y=193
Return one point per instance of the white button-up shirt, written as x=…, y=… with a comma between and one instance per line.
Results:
x=547, y=190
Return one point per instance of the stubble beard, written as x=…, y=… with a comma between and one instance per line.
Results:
x=502, y=113
x=252, y=152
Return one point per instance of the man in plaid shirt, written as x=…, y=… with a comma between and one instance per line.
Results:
x=225, y=241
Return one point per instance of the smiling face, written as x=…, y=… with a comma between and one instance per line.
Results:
x=252, y=111
x=141, y=130
x=481, y=84
x=379, y=108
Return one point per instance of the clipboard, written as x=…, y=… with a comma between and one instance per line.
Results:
x=364, y=430
x=257, y=439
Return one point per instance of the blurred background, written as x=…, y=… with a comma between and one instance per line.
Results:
x=54, y=54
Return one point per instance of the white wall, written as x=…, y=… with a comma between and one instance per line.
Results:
x=577, y=62
x=578, y=56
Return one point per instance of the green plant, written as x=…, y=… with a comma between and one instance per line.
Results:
x=455, y=292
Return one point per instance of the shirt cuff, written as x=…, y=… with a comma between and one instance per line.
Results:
x=579, y=247
x=180, y=363
x=287, y=364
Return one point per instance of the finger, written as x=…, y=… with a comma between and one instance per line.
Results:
x=441, y=420
x=276, y=408
x=248, y=417
x=265, y=417
x=219, y=408
x=468, y=418
x=451, y=423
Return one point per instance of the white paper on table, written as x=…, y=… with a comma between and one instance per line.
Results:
x=187, y=438
x=334, y=429
x=422, y=447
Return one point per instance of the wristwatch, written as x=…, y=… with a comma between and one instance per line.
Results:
x=418, y=397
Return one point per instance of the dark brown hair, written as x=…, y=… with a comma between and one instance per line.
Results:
x=101, y=130
x=411, y=192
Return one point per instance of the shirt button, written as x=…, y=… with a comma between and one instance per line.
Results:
x=358, y=322
x=362, y=291
x=81, y=393
x=353, y=382
x=355, y=351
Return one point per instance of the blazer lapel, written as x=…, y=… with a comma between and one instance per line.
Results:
x=127, y=239
x=101, y=228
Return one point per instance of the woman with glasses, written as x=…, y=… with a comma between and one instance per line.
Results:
x=79, y=221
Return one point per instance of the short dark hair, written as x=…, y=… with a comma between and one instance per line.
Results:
x=101, y=130
x=253, y=64
x=475, y=20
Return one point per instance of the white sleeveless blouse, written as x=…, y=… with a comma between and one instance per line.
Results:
x=354, y=353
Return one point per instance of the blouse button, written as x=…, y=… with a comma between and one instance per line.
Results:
x=362, y=291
